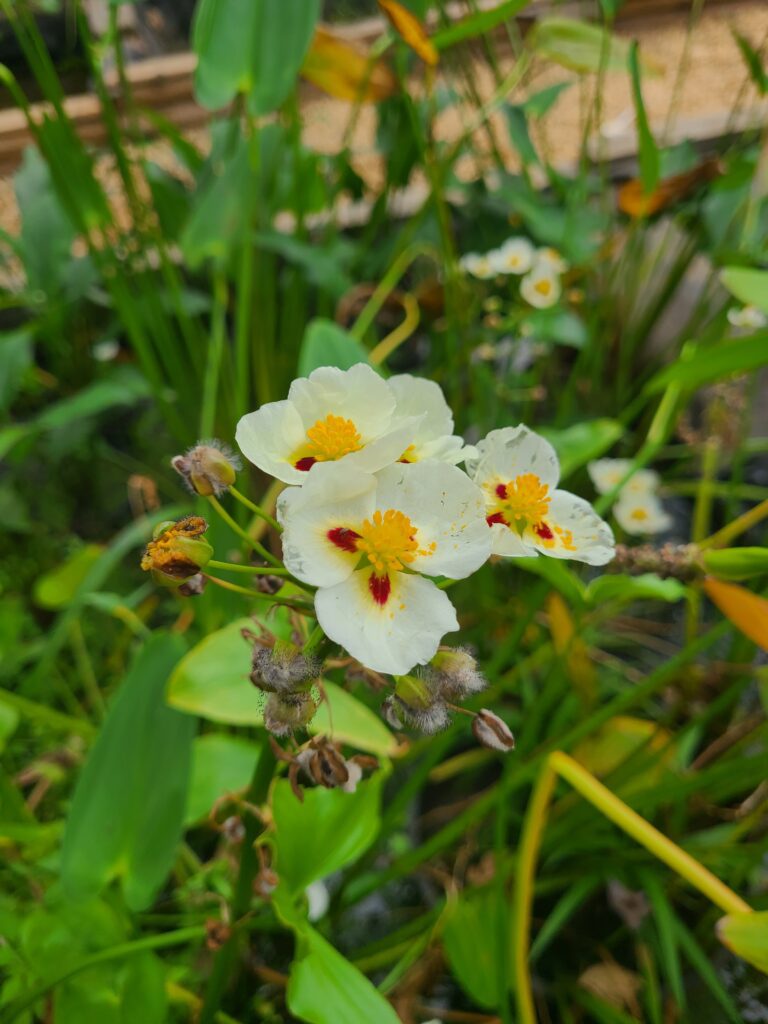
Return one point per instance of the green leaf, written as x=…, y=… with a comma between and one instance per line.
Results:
x=326, y=344
x=754, y=62
x=124, y=386
x=736, y=563
x=128, y=805
x=558, y=325
x=9, y=719
x=702, y=365
x=623, y=589
x=477, y=24
x=56, y=589
x=329, y=829
x=220, y=764
x=325, y=988
x=216, y=223
x=556, y=573
x=578, y=46
x=579, y=444
x=347, y=720
x=648, y=153
x=15, y=361
x=471, y=943
x=746, y=935
x=541, y=102
x=747, y=285
x=46, y=231
x=254, y=47
x=517, y=126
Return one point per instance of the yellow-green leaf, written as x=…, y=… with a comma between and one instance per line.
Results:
x=410, y=30
x=746, y=935
x=345, y=71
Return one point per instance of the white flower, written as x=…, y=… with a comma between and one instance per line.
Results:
x=422, y=403
x=518, y=472
x=478, y=265
x=607, y=473
x=641, y=513
x=749, y=317
x=332, y=415
x=551, y=258
x=541, y=287
x=515, y=256
x=365, y=540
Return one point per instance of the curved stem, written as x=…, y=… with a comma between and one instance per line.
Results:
x=254, y=570
x=254, y=544
x=256, y=509
x=296, y=603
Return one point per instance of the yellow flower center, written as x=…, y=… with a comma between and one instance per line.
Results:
x=638, y=513
x=543, y=286
x=524, y=499
x=388, y=539
x=332, y=438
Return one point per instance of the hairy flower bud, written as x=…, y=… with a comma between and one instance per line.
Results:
x=490, y=731
x=453, y=673
x=178, y=550
x=286, y=712
x=283, y=668
x=415, y=704
x=210, y=467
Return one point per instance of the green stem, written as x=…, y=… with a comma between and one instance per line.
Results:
x=243, y=894
x=256, y=509
x=14, y=1009
x=387, y=284
x=215, y=351
x=702, y=516
x=85, y=669
x=745, y=522
x=254, y=544
x=254, y=570
x=296, y=603
x=315, y=637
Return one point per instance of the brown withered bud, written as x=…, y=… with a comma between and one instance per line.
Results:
x=209, y=467
x=233, y=829
x=194, y=586
x=490, y=731
x=265, y=883
x=680, y=561
x=283, y=668
x=631, y=905
x=178, y=550
x=286, y=712
x=216, y=934
x=268, y=584
x=323, y=763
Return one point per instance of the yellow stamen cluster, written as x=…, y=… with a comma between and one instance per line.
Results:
x=526, y=499
x=332, y=438
x=543, y=286
x=388, y=539
x=179, y=550
x=638, y=513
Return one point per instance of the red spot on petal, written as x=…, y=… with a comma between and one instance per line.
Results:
x=543, y=531
x=501, y=490
x=306, y=464
x=497, y=517
x=380, y=588
x=343, y=538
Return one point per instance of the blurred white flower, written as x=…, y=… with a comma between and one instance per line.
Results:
x=607, y=473
x=478, y=265
x=641, y=513
x=518, y=472
x=318, y=900
x=365, y=542
x=747, y=317
x=515, y=256
x=541, y=286
x=549, y=257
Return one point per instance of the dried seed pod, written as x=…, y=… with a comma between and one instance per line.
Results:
x=492, y=732
x=286, y=712
x=209, y=467
x=283, y=668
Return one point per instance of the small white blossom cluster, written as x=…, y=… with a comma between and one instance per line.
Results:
x=377, y=506
x=638, y=508
x=539, y=269
x=747, y=318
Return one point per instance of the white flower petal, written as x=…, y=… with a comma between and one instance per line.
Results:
x=433, y=437
x=268, y=438
x=335, y=495
x=541, y=287
x=392, y=637
x=511, y=451
x=577, y=531
x=515, y=256
x=384, y=450
x=477, y=265
x=641, y=513
x=551, y=258
x=606, y=473
x=508, y=542
x=358, y=394
x=448, y=511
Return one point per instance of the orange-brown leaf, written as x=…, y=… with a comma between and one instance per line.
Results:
x=635, y=202
x=345, y=71
x=410, y=30
x=571, y=646
x=747, y=611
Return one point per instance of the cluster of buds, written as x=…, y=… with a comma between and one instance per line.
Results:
x=679, y=561
x=283, y=671
x=323, y=763
x=425, y=699
x=209, y=467
x=178, y=551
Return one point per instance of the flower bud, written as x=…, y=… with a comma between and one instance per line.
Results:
x=284, y=713
x=454, y=674
x=736, y=563
x=283, y=668
x=178, y=550
x=490, y=731
x=207, y=468
x=415, y=704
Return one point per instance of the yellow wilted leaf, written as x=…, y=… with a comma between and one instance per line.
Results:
x=571, y=646
x=410, y=30
x=621, y=738
x=345, y=71
x=747, y=611
x=635, y=202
